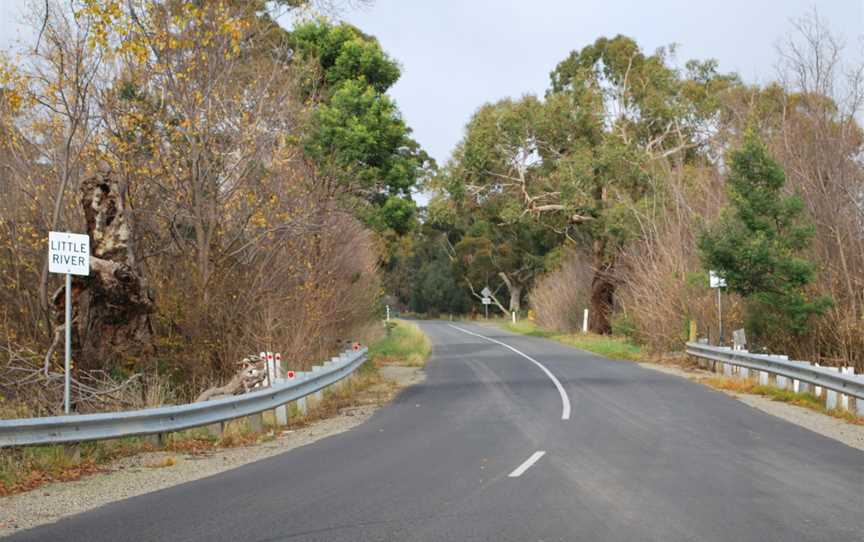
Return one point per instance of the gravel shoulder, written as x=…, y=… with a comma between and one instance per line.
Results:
x=847, y=433
x=137, y=475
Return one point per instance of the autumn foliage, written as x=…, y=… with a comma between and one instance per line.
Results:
x=200, y=112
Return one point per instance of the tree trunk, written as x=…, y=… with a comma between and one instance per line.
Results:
x=602, y=292
x=515, y=292
x=515, y=298
x=113, y=312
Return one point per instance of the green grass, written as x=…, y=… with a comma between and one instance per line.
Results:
x=604, y=345
x=404, y=344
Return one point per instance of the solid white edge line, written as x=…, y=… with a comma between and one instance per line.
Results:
x=565, y=401
x=535, y=457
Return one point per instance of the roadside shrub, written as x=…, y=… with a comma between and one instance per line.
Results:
x=559, y=297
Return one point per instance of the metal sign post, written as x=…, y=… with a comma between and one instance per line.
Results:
x=487, y=294
x=68, y=254
x=718, y=282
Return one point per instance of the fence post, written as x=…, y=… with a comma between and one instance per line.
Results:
x=844, y=399
x=831, y=395
x=302, y=407
x=319, y=395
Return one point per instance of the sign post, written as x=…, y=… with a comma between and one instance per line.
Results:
x=487, y=294
x=718, y=282
x=68, y=254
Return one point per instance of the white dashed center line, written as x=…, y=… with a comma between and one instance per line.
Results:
x=527, y=464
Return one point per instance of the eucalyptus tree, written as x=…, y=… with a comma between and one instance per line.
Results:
x=582, y=162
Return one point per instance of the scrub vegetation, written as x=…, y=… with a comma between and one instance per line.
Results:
x=404, y=344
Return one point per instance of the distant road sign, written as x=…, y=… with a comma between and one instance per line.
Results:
x=715, y=280
x=68, y=253
x=487, y=301
x=486, y=292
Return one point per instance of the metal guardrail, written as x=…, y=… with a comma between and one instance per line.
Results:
x=67, y=429
x=851, y=385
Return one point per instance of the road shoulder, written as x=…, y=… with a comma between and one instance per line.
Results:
x=834, y=428
x=147, y=472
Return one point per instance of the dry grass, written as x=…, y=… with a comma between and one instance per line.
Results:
x=806, y=400
x=24, y=469
x=405, y=345
x=604, y=345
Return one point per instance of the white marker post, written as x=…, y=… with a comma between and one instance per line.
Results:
x=68, y=254
x=585, y=321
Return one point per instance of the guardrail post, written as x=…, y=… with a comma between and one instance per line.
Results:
x=319, y=395
x=302, y=407
x=844, y=399
x=158, y=440
x=763, y=378
x=280, y=413
x=256, y=422
x=831, y=395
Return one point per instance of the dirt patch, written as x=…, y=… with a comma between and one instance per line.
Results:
x=847, y=433
x=152, y=471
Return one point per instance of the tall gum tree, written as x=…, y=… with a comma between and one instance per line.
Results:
x=581, y=162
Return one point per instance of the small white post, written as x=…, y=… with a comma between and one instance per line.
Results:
x=585, y=321
x=514, y=317
x=301, y=403
x=388, y=313
x=831, y=395
x=319, y=395
x=817, y=390
x=844, y=399
x=763, y=378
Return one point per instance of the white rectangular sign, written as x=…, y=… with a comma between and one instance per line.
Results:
x=68, y=253
x=487, y=301
x=716, y=281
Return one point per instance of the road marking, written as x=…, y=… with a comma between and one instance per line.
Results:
x=535, y=457
x=565, y=401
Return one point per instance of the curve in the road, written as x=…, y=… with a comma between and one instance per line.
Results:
x=565, y=400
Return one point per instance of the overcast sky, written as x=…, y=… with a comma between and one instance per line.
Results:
x=458, y=54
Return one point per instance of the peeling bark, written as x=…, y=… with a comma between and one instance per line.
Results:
x=112, y=306
x=515, y=290
x=252, y=372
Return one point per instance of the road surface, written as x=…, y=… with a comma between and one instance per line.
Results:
x=514, y=438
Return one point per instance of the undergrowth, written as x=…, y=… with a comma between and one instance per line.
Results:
x=806, y=400
x=405, y=344
x=27, y=468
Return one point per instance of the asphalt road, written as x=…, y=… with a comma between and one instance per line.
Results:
x=481, y=451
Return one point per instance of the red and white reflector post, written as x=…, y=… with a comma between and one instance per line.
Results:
x=271, y=369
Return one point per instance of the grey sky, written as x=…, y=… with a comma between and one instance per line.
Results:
x=458, y=54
